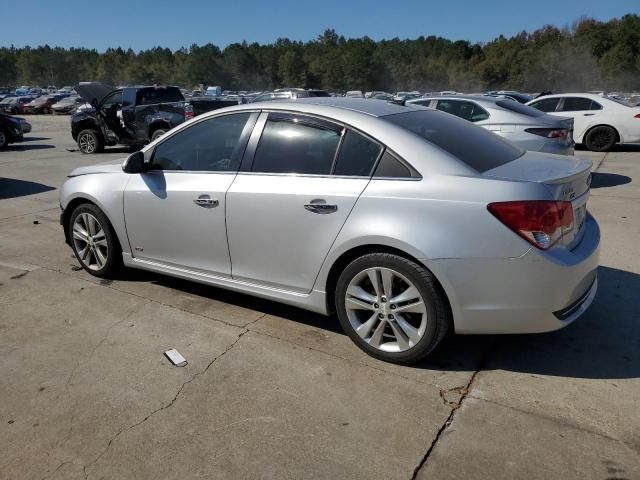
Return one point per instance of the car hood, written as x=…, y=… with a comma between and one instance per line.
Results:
x=114, y=166
x=93, y=92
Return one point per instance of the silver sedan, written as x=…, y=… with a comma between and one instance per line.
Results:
x=405, y=221
x=525, y=126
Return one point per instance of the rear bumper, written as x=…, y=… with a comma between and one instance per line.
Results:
x=558, y=148
x=537, y=292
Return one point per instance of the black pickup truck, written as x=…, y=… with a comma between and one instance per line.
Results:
x=127, y=116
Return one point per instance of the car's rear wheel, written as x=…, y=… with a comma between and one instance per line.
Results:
x=391, y=307
x=89, y=141
x=93, y=241
x=601, y=139
x=158, y=133
x=4, y=140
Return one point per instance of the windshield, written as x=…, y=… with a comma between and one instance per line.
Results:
x=476, y=147
x=519, y=108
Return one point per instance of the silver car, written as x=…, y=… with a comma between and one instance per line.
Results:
x=406, y=221
x=525, y=126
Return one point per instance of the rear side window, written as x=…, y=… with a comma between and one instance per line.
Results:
x=212, y=145
x=546, y=104
x=463, y=109
x=519, y=108
x=576, y=104
x=392, y=167
x=296, y=144
x=357, y=155
x=423, y=103
x=476, y=147
x=151, y=96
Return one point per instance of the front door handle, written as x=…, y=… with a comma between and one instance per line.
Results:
x=206, y=201
x=321, y=208
x=588, y=114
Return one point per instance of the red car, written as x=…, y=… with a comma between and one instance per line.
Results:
x=41, y=104
x=14, y=104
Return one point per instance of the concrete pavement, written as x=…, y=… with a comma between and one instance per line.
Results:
x=276, y=392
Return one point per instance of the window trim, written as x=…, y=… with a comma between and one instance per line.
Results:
x=250, y=150
x=244, y=137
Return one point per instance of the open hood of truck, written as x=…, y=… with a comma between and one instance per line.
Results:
x=94, y=92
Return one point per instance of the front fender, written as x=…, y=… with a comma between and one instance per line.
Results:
x=106, y=190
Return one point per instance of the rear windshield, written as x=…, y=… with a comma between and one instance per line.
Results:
x=473, y=145
x=519, y=108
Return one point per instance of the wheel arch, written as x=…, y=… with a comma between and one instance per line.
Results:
x=157, y=125
x=584, y=137
x=346, y=257
x=75, y=203
x=86, y=124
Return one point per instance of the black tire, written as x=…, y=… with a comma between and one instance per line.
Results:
x=437, y=309
x=113, y=261
x=158, y=133
x=4, y=139
x=90, y=141
x=601, y=138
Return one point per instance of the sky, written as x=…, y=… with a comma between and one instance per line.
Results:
x=142, y=24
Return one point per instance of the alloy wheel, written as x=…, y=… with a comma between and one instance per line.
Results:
x=87, y=143
x=386, y=309
x=90, y=241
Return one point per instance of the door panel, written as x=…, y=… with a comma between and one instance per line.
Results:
x=279, y=230
x=173, y=218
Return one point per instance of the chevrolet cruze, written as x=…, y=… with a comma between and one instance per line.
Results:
x=405, y=221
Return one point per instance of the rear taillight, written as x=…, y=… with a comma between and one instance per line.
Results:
x=637, y=115
x=188, y=111
x=542, y=223
x=549, y=132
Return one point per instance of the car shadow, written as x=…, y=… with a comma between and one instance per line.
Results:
x=603, y=344
x=623, y=147
x=599, y=180
x=12, y=188
x=34, y=139
x=21, y=147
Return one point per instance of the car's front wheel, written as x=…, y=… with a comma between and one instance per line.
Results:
x=89, y=141
x=93, y=241
x=4, y=139
x=391, y=307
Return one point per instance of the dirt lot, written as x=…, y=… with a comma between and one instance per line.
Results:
x=276, y=392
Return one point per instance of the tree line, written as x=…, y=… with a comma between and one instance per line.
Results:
x=586, y=55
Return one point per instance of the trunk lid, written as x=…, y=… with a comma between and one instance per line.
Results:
x=568, y=178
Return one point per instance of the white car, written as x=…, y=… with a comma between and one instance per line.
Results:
x=598, y=122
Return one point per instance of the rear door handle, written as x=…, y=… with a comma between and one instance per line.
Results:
x=588, y=114
x=206, y=201
x=321, y=208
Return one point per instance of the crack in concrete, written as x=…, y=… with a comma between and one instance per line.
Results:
x=455, y=406
x=173, y=400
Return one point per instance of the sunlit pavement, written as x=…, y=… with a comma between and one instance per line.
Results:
x=275, y=392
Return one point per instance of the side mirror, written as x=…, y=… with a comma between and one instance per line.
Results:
x=134, y=163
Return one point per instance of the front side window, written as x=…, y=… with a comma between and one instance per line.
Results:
x=546, y=104
x=212, y=145
x=112, y=99
x=357, y=155
x=296, y=144
x=576, y=104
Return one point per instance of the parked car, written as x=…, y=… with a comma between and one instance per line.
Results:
x=42, y=104
x=517, y=96
x=127, y=116
x=67, y=104
x=527, y=127
x=354, y=94
x=406, y=221
x=599, y=122
x=10, y=130
x=289, y=94
x=14, y=104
